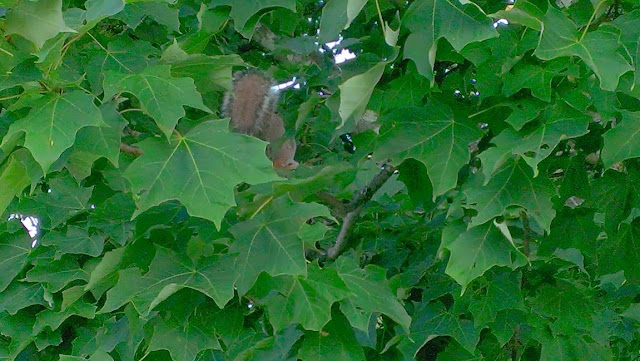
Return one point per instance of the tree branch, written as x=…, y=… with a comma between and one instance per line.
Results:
x=335, y=203
x=130, y=149
x=355, y=207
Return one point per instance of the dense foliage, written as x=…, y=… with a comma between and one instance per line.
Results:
x=468, y=188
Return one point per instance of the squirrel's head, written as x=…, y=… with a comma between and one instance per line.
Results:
x=283, y=157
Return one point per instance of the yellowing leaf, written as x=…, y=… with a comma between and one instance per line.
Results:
x=200, y=169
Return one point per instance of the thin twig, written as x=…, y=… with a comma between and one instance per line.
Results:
x=130, y=149
x=355, y=207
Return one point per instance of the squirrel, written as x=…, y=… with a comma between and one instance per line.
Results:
x=251, y=106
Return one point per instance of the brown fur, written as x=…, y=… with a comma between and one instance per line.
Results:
x=249, y=103
x=251, y=107
x=283, y=157
x=273, y=128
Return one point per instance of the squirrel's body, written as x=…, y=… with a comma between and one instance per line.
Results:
x=250, y=102
x=251, y=106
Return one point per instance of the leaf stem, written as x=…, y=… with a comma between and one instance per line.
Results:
x=485, y=110
x=11, y=97
x=6, y=52
x=264, y=204
x=593, y=16
x=382, y=24
x=131, y=110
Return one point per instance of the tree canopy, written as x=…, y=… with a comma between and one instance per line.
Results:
x=468, y=184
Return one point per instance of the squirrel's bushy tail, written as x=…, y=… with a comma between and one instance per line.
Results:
x=251, y=106
x=250, y=103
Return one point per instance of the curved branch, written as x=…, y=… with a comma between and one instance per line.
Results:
x=355, y=207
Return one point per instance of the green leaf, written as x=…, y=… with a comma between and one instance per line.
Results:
x=431, y=135
x=137, y=11
x=622, y=141
x=433, y=319
x=525, y=12
x=524, y=111
x=513, y=185
x=168, y=273
x=209, y=72
x=24, y=72
x=534, y=77
x=269, y=243
x=633, y=312
x=572, y=228
x=217, y=159
x=503, y=292
x=19, y=171
x=337, y=15
x=242, y=11
x=53, y=319
x=355, y=93
x=53, y=122
x=94, y=143
x=630, y=33
x=161, y=96
x=18, y=328
x=370, y=291
x=598, y=49
x=615, y=195
x=58, y=273
x=76, y=240
x=572, y=347
x=20, y=295
x=37, y=21
x=622, y=252
x=121, y=55
x=184, y=337
x=430, y=20
x=275, y=348
x=113, y=217
x=15, y=250
x=305, y=300
x=63, y=199
x=571, y=307
x=475, y=251
x=100, y=9
x=536, y=141
x=336, y=341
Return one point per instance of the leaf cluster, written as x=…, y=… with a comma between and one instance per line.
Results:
x=467, y=189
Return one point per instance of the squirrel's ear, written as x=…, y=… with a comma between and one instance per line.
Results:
x=283, y=159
